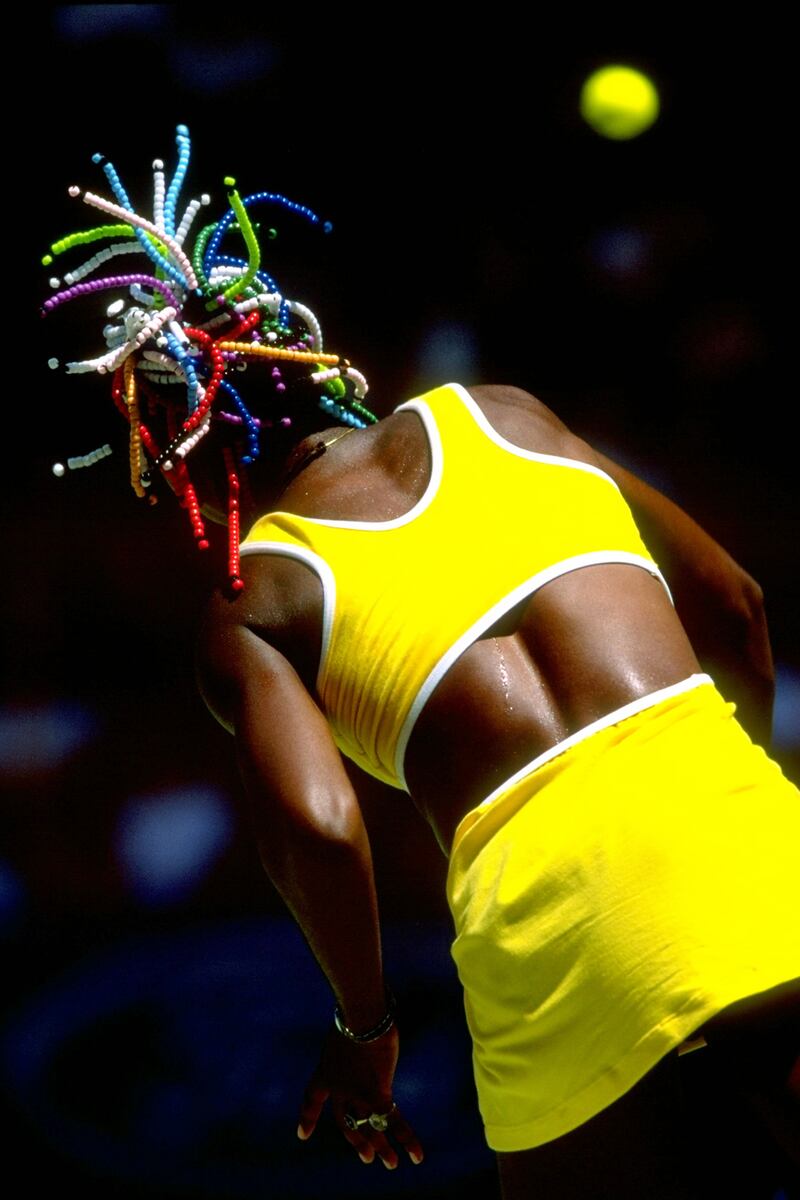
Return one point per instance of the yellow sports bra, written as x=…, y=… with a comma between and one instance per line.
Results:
x=404, y=598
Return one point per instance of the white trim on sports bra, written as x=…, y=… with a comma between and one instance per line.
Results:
x=498, y=610
x=326, y=577
x=480, y=419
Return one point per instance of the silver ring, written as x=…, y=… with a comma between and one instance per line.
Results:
x=380, y=1121
x=377, y=1121
x=355, y=1122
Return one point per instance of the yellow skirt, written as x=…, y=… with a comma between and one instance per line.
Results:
x=614, y=899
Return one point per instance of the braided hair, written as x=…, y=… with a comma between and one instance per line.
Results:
x=172, y=373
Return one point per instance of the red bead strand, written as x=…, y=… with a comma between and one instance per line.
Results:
x=234, y=578
x=244, y=326
x=192, y=505
x=217, y=371
x=118, y=392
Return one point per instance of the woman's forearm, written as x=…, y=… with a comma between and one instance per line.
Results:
x=328, y=885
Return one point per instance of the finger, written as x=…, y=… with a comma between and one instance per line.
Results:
x=314, y=1099
x=402, y=1132
x=358, y=1140
x=385, y=1151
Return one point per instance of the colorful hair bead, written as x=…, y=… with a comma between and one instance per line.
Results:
x=181, y=369
x=234, y=578
x=132, y=401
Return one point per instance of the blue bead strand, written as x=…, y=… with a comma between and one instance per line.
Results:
x=184, y=360
x=142, y=237
x=256, y=198
x=184, y=155
x=253, y=446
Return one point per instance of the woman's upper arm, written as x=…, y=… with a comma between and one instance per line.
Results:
x=697, y=566
x=285, y=748
x=720, y=605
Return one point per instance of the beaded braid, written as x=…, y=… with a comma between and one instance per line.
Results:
x=181, y=369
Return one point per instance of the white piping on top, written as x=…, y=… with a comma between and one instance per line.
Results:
x=326, y=577
x=422, y=409
x=498, y=610
x=481, y=419
x=612, y=718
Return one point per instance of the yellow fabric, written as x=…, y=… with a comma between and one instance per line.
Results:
x=407, y=590
x=610, y=903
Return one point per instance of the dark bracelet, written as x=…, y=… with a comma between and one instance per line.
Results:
x=369, y=1035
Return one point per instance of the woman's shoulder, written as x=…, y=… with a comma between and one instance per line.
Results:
x=524, y=419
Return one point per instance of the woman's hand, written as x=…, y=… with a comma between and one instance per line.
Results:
x=357, y=1078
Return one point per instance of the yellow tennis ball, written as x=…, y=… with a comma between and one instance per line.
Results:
x=619, y=102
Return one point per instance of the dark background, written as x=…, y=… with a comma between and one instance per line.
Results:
x=161, y=1014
